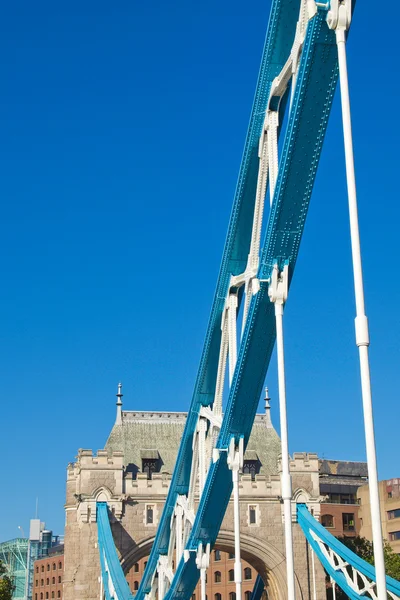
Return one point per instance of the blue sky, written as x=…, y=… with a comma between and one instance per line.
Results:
x=121, y=127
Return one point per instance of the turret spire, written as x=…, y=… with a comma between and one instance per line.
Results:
x=267, y=408
x=118, y=420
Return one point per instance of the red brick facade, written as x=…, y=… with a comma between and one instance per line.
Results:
x=48, y=577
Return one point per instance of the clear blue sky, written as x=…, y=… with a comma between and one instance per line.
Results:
x=121, y=132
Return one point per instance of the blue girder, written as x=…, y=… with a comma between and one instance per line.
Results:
x=307, y=123
x=279, y=39
x=109, y=562
x=308, y=525
x=258, y=588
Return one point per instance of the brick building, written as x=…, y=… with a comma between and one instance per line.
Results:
x=48, y=576
x=338, y=484
x=389, y=496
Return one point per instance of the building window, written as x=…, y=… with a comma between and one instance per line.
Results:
x=231, y=575
x=42, y=582
x=231, y=556
x=149, y=514
x=232, y=596
x=247, y=595
x=193, y=596
x=217, y=597
x=247, y=573
x=393, y=514
x=252, y=514
x=52, y=594
x=41, y=595
x=54, y=566
x=251, y=467
x=53, y=580
x=327, y=521
x=348, y=521
x=217, y=555
x=149, y=466
x=60, y=565
x=136, y=567
x=135, y=585
x=37, y=582
x=59, y=594
x=217, y=576
x=47, y=595
x=37, y=569
x=48, y=567
x=42, y=569
x=35, y=596
x=389, y=494
x=394, y=535
x=145, y=564
x=47, y=581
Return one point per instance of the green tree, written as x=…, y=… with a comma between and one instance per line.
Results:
x=6, y=587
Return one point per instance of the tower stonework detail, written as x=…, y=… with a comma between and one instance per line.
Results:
x=133, y=473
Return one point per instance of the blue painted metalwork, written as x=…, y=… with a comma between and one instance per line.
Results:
x=110, y=566
x=258, y=588
x=308, y=119
x=280, y=34
x=308, y=525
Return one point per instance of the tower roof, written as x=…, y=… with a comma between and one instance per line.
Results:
x=162, y=431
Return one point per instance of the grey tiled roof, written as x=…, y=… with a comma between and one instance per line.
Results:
x=162, y=431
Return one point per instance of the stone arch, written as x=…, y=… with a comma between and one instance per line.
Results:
x=102, y=494
x=269, y=562
x=138, y=551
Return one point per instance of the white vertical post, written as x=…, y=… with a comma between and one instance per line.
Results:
x=101, y=588
x=203, y=562
x=313, y=575
x=235, y=463
x=203, y=584
x=278, y=294
x=361, y=322
x=178, y=530
x=333, y=583
x=232, y=308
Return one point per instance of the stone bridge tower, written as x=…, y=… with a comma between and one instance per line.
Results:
x=133, y=474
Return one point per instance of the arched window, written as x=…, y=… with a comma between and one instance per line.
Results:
x=52, y=594
x=232, y=596
x=247, y=595
x=47, y=581
x=231, y=575
x=217, y=597
x=42, y=582
x=136, y=567
x=48, y=567
x=59, y=594
x=217, y=576
x=59, y=579
x=41, y=595
x=327, y=521
x=193, y=596
x=54, y=566
x=135, y=585
x=60, y=565
x=47, y=595
x=217, y=555
x=247, y=573
x=37, y=569
x=42, y=569
x=53, y=580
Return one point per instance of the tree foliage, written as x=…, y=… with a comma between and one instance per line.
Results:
x=6, y=587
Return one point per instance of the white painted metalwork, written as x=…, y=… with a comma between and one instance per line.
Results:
x=235, y=464
x=339, y=18
x=359, y=583
x=203, y=562
x=278, y=291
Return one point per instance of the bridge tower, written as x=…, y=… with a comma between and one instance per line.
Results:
x=133, y=473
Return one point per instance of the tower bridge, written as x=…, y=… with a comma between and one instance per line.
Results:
x=132, y=499
x=133, y=475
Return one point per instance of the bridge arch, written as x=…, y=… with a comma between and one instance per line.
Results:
x=267, y=560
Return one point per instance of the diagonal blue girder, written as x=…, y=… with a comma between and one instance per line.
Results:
x=279, y=39
x=109, y=562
